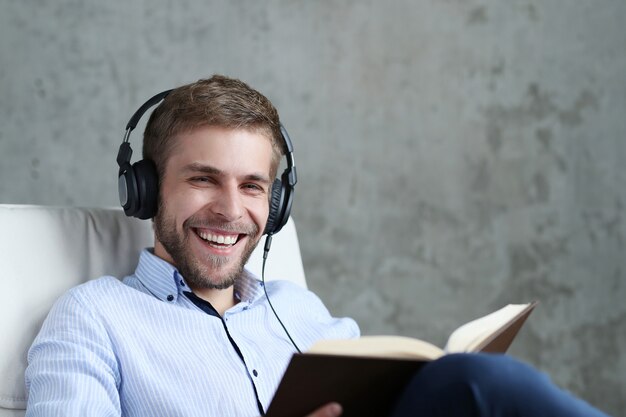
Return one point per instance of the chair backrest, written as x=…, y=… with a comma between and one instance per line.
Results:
x=44, y=251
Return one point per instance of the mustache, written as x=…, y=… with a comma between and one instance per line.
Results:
x=200, y=221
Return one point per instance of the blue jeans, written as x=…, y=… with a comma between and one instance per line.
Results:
x=481, y=385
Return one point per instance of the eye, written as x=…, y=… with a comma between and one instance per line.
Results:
x=201, y=180
x=252, y=187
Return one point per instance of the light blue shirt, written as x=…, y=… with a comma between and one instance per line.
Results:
x=140, y=347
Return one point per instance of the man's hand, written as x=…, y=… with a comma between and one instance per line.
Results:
x=329, y=410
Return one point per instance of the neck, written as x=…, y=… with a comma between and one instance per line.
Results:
x=221, y=300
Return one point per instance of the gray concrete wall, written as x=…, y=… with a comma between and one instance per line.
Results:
x=453, y=155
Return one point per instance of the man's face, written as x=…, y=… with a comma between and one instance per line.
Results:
x=213, y=204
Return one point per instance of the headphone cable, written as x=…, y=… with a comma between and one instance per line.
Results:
x=266, y=249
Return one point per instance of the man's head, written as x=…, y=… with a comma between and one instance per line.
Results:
x=216, y=145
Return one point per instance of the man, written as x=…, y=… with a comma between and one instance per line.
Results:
x=190, y=333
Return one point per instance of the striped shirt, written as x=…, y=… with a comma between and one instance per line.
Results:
x=142, y=347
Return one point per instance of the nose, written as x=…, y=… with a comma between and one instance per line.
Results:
x=228, y=204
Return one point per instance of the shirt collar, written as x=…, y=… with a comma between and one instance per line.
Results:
x=164, y=281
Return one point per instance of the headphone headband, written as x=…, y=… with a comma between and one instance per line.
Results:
x=132, y=123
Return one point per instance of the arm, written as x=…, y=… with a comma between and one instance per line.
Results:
x=72, y=369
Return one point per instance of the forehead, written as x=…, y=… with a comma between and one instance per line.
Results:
x=236, y=150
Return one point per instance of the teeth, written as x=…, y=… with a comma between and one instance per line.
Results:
x=220, y=239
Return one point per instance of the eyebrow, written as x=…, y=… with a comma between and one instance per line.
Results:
x=196, y=167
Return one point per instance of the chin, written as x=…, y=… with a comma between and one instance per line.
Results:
x=205, y=277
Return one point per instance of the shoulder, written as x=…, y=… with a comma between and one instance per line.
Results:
x=74, y=316
x=103, y=283
x=284, y=285
x=289, y=289
x=86, y=311
x=300, y=301
x=295, y=298
x=103, y=287
x=101, y=294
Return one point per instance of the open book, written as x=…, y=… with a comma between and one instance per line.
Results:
x=365, y=375
x=491, y=333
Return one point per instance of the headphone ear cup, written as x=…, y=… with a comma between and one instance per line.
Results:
x=147, y=181
x=276, y=202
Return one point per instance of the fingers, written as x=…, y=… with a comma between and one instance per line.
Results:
x=329, y=410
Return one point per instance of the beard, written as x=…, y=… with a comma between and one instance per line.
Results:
x=203, y=273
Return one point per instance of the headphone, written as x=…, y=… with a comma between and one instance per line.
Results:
x=138, y=184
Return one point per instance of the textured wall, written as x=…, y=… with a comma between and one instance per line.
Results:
x=453, y=155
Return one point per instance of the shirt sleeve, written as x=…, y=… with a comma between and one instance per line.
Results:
x=72, y=370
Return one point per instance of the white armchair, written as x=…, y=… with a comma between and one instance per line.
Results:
x=46, y=250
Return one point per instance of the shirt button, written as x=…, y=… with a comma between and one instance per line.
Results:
x=255, y=373
x=170, y=297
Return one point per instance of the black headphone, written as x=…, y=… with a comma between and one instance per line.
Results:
x=138, y=184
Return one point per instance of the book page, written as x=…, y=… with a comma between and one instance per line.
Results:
x=469, y=337
x=379, y=346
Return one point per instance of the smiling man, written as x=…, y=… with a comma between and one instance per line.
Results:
x=191, y=332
